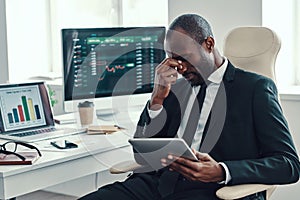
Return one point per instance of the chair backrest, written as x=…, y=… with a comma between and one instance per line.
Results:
x=254, y=49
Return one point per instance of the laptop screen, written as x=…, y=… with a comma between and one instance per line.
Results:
x=24, y=106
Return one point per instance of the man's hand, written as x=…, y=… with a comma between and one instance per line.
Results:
x=166, y=73
x=205, y=170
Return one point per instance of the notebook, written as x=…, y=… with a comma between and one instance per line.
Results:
x=26, y=114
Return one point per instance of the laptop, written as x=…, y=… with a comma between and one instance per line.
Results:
x=26, y=114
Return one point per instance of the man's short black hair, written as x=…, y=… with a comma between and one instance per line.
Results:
x=196, y=26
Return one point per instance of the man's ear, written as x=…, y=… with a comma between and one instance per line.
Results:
x=210, y=43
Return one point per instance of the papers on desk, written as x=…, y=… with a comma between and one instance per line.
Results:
x=102, y=129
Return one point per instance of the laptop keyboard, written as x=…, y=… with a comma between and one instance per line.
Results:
x=34, y=132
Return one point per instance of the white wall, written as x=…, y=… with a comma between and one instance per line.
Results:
x=222, y=15
x=3, y=44
x=145, y=12
x=285, y=27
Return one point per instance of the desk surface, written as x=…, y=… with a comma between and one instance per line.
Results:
x=95, y=153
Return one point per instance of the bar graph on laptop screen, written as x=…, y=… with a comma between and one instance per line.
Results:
x=21, y=107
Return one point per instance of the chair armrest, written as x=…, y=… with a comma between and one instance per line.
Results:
x=124, y=167
x=239, y=191
x=227, y=192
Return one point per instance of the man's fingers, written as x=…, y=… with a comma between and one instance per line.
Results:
x=185, y=162
x=169, y=76
x=169, y=72
x=202, y=156
x=186, y=171
x=168, y=63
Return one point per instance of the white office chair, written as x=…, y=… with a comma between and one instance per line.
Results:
x=254, y=49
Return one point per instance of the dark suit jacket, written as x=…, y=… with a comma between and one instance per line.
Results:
x=247, y=132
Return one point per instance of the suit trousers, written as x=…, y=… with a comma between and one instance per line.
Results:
x=144, y=187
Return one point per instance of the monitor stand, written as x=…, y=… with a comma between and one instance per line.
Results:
x=106, y=114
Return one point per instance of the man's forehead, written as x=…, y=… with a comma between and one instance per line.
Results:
x=177, y=41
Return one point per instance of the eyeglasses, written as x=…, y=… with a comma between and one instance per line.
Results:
x=11, y=147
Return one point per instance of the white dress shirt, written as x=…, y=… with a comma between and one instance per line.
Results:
x=214, y=80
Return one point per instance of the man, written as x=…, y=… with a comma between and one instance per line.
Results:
x=238, y=124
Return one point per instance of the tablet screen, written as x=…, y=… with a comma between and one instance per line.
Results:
x=153, y=149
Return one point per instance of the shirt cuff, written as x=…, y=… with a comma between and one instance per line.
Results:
x=227, y=174
x=153, y=113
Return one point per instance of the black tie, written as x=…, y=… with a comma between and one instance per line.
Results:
x=193, y=120
x=168, y=178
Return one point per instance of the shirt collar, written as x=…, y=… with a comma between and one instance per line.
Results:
x=217, y=76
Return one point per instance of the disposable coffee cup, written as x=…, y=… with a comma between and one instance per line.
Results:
x=86, y=113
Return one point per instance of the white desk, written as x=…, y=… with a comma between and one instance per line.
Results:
x=96, y=153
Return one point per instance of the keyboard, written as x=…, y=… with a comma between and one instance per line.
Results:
x=34, y=132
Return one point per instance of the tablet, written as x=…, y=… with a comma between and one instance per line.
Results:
x=153, y=149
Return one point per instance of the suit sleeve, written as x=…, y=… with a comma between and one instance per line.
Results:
x=148, y=128
x=277, y=162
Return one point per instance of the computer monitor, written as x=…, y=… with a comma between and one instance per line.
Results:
x=113, y=67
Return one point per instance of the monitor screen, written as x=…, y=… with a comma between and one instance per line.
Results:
x=105, y=62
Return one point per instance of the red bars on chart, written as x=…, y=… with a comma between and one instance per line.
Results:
x=25, y=112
